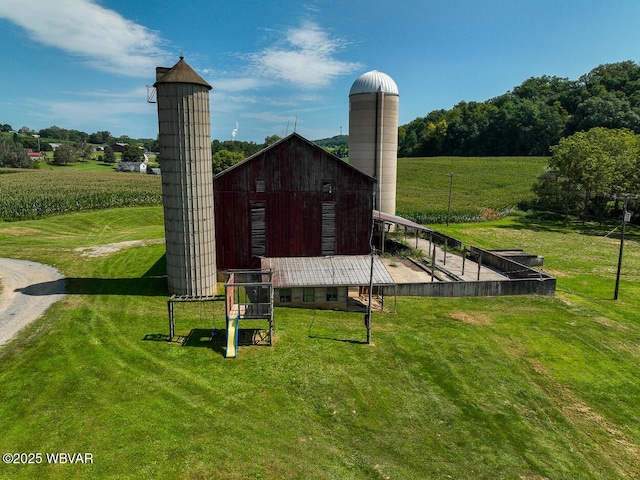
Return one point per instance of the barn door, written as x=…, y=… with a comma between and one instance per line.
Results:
x=258, y=234
x=328, y=228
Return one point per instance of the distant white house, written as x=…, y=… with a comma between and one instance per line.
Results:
x=132, y=167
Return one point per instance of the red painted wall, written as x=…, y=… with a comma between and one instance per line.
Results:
x=293, y=171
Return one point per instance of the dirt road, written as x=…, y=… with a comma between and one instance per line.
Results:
x=28, y=289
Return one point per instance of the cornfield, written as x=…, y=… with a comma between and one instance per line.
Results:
x=481, y=188
x=30, y=194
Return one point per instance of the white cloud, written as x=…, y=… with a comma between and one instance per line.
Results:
x=306, y=59
x=101, y=37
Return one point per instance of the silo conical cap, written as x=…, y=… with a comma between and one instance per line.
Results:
x=181, y=72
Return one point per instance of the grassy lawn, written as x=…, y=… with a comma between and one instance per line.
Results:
x=92, y=164
x=89, y=165
x=519, y=387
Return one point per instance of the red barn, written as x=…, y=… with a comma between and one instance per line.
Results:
x=292, y=199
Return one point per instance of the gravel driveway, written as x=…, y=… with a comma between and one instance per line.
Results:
x=28, y=289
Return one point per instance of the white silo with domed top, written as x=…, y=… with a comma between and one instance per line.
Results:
x=373, y=133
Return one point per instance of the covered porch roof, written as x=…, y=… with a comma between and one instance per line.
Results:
x=341, y=270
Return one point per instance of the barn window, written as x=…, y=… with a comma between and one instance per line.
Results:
x=260, y=186
x=285, y=295
x=328, y=228
x=332, y=294
x=309, y=295
x=326, y=186
x=258, y=236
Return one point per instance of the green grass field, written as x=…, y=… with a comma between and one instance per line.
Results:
x=482, y=186
x=467, y=388
x=90, y=165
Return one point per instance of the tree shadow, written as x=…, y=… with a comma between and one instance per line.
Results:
x=555, y=223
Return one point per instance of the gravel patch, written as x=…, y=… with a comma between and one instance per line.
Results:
x=103, y=250
x=28, y=290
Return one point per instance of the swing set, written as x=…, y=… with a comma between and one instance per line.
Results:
x=248, y=296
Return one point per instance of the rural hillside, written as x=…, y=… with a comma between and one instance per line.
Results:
x=530, y=118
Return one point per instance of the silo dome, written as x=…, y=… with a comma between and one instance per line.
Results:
x=374, y=82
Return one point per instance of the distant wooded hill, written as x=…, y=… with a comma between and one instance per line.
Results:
x=530, y=118
x=526, y=120
x=333, y=142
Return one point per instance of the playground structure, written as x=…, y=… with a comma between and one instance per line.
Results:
x=248, y=296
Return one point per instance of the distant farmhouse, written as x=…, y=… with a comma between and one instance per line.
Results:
x=35, y=155
x=118, y=147
x=132, y=167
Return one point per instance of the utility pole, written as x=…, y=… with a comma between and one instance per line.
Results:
x=450, y=175
x=367, y=316
x=625, y=218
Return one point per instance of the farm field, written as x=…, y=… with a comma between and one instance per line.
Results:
x=32, y=194
x=422, y=194
x=511, y=387
x=482, y=186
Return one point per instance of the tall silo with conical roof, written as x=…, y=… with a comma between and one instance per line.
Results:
x=187, y=179
x=373, y=133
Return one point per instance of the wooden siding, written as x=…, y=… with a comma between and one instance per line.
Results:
x=291, y=179
x=258, y=239
x=328, y=228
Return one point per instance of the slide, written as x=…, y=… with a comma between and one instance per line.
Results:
x=232, y=337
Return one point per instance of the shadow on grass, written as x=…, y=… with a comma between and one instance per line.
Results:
x=153, y=283
x=151, y=287
x=551, y=222
x=343, y=340
x=214, y=339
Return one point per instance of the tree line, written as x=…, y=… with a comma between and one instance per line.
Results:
x=229, y=152
x=29, y=138
x=531, y=118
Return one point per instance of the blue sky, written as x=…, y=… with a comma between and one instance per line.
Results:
x=85, y=64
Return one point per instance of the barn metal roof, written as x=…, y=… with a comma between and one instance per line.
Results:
x=342, y=270
x=373, y=82
x=395, y=219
